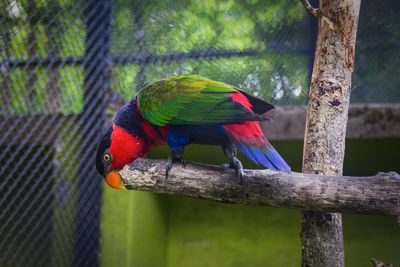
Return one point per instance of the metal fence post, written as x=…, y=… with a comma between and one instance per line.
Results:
x=98, y=15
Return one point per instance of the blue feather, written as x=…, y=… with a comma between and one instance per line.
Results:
x=267, y=157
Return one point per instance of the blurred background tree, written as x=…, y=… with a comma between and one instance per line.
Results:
x=271, y=39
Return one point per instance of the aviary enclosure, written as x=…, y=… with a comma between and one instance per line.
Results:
x=67, y=66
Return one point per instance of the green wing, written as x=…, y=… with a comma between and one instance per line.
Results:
x=190, y=99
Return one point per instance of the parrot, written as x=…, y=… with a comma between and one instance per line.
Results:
x=183, y=110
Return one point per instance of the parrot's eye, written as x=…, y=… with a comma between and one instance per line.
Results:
x=106, y=157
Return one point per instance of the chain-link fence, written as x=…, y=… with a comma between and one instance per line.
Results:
x=64, y=63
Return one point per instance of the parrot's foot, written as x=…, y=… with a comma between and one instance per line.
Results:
x=234, y=164
x=170, y=162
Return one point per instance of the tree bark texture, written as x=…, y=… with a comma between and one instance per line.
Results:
x=379, y=194
x=327, y=114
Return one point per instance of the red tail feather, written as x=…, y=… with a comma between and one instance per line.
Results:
x=248, y=132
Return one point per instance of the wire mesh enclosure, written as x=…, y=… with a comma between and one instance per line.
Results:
x=65, y=63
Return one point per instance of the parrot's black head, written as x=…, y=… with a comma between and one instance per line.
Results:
x=123, y=142
x=103, y=156
x=105, y=163
x=117, y=148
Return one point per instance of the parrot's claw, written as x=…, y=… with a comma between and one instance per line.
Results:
x=234, y=164
x=170, y=162
x=183, y=161
x=224, y=167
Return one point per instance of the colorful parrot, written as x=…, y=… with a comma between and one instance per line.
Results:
x=182, y=110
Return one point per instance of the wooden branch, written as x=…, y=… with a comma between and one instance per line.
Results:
x=379, y=194
x=313, y=11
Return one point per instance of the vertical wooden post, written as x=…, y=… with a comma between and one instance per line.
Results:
x=324, y=142
x=97, y=83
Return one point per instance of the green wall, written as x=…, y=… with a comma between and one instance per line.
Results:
x=147, y=229
x=133, y=228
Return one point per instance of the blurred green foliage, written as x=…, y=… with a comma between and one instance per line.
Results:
x=278, y=29
x=168, y=27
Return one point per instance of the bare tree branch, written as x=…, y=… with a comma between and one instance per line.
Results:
x=313, y=11
x=379, y=194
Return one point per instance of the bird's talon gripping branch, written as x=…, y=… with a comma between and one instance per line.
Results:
x=168, y=166
x=224, y=167
x=236, y=165
x=170, y=162
x=184, y=162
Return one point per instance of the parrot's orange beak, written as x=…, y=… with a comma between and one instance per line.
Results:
x=114, y=180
